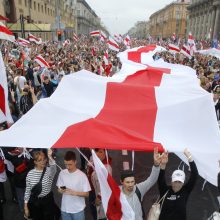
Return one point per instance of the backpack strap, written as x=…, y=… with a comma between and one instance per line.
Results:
x=138, y=193
x=42, y=175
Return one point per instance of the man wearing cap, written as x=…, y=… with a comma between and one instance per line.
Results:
x=174, y=205
x=133, y=192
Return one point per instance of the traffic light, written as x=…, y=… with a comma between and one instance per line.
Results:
x=28, y=19
x=59, y=35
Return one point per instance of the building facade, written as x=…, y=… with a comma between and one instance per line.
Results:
x=204, y=19
x=45, y=18
x=140, y=30
x=87, y=20
x=171, y=19
x=37, y=16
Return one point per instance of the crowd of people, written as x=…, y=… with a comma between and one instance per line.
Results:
x=31, y=172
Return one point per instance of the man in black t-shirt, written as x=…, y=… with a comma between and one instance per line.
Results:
x=174, y=205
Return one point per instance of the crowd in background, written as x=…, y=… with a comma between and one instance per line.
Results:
x=28, y=82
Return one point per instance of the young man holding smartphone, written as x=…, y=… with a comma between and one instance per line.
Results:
x=74, y=186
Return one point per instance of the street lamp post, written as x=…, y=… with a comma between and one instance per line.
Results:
x=22, y=26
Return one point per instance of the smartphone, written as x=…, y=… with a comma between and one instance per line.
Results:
x=63, y=187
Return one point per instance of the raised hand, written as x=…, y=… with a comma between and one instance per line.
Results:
x=157, y=157
x=164, y=158
x=188, y=154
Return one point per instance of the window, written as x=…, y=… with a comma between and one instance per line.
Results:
x=34, y=5
x=48, y=11
x=25, y=3
x=38, y=6
x=30, y=3
x=20, y=2
x=42, y=8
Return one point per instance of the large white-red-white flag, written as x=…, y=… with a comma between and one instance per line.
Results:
x=112, y=44
x=143, y=106
x=5, y=114
x=114, y=203
x=41, y=61
x=5, y=33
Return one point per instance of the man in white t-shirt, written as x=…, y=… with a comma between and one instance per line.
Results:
x=74, y=186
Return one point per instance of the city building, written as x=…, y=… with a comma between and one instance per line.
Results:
x=204, y=19
x=87, y=20
x=140, y=30
x=47, y=18
x=170, y=19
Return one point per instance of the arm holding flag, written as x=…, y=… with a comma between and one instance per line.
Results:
x=194, y=172
x=152, y=179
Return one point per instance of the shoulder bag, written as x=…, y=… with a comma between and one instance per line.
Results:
x=36, y=190
x=215, y=216
x=155, y=210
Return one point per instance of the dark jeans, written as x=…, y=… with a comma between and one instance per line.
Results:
x=92, y=206
x=1, y=211
x=20, y=197
x=43, y=209
x=2, y=199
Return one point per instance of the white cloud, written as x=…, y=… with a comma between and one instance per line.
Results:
x=120, y=15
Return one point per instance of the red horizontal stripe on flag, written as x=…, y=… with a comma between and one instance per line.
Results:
x=33, y=37
x=6, y=30
x=116, y=120
x=174, y=48
x=2, y=98
x=42, y=61
x=113, y=44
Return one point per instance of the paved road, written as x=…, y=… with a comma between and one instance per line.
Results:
x=200, y=205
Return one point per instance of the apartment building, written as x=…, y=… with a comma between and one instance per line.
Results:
x=170, y=19
x=204, y=19
x=45, y=18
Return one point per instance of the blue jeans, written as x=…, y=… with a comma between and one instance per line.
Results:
x=73, y=216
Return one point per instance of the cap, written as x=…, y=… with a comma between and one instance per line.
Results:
x=178, y=175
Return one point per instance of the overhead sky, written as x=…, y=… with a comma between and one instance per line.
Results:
x=120, y=15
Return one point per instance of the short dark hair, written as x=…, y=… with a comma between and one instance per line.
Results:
x=126, y=173
x=70, y=155
x=46, y=77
